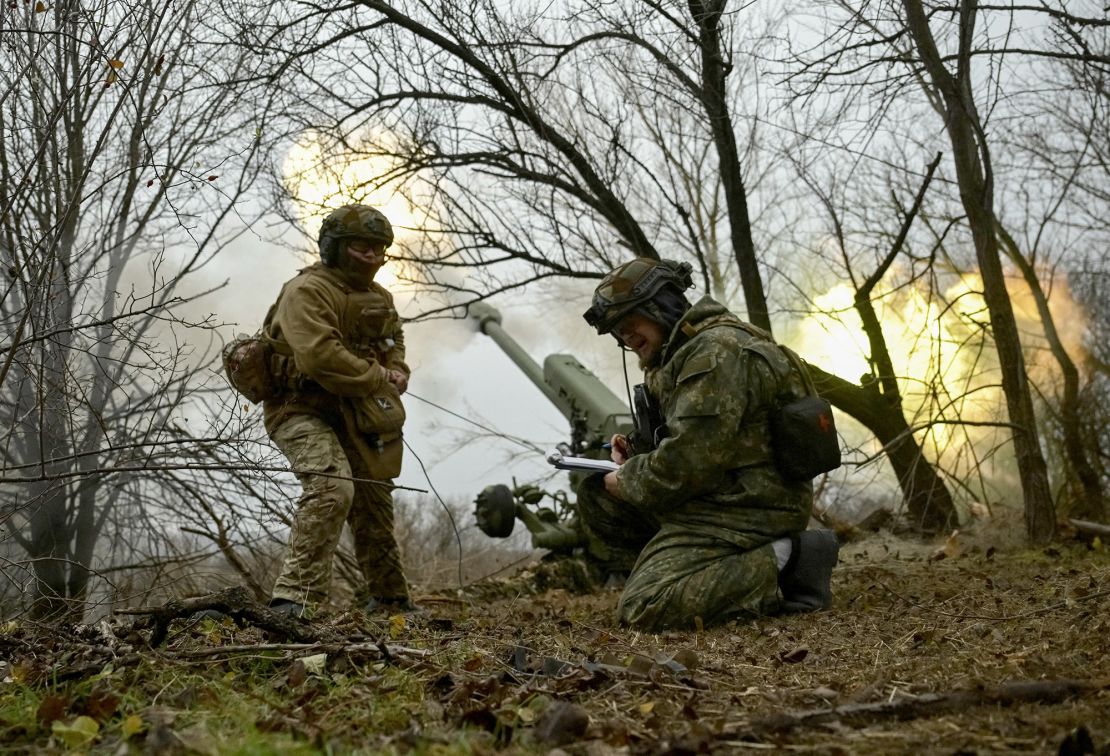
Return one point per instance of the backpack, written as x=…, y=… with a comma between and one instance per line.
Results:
x=249, y=362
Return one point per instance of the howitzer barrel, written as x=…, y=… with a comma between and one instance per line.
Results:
x=573, y=389
x=489, y=323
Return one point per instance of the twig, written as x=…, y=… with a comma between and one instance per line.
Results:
x=323, y=648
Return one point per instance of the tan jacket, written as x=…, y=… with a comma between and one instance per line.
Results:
x=339, y=338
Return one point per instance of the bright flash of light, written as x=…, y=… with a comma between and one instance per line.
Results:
x=946, y=368
x=1068, y=316
x=928, y=349
x=320, y=181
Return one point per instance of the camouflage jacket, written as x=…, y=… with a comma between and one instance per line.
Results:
x=713, y=471
x=343, y=335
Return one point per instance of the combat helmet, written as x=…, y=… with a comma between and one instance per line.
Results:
x=631, y=285
x=352, y=222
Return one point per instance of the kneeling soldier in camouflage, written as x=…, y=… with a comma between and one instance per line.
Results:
x=338, y=339
x=715, y=530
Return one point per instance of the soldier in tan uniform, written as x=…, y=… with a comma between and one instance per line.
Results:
x=340, y=353
x=715, y=530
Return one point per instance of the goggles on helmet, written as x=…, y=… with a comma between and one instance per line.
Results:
x=632, y=284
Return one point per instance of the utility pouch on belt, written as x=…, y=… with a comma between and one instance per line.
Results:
x=383, y=461
x=380, y=414
x=249, y=365
x=249, y=362
x=381, y=454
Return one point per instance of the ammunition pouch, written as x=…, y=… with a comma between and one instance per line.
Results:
x=649, y=428
x=383, y=458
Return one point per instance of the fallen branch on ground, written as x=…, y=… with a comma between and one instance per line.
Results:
x=237, y=603
x=928, y=704
x=1091, y=528
x=357, y=647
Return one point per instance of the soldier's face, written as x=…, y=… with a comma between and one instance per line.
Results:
x=364, y=256
x=642, y=335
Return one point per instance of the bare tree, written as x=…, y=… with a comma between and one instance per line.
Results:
x=980, y=68
x=1063, y=143
x=972, y=159
x=120, y=170
x=878, y=399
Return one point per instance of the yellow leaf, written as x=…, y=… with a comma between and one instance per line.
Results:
x=20, y=672
x=133, y=725
x=645, y=708
x=40, y=7
x=116, y=63
x=80, y=732
x=1096, y=544
x=316, y=664
x=396, y=625
x=112, y=77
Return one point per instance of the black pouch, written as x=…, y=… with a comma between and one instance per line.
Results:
x=803, y=438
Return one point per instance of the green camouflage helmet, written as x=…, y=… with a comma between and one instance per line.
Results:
x=632, y=284
x=352, y=222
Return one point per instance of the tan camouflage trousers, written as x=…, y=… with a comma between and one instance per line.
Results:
x=679, y=573
x=327, y=501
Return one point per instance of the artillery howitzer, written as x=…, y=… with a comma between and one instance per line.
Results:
x=595, y=414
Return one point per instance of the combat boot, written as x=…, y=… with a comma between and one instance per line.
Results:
x=286, y=608
x=391, y=606
x=805, y=581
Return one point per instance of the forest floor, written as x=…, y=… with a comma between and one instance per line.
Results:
x=954, y=647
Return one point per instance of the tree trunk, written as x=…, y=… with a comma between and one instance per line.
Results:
x=926, y=496
x=714, y=97
x=1092, y=501
x=972, y=159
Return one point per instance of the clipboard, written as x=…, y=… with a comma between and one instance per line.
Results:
x=581, y=464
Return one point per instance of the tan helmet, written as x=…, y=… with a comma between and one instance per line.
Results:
x=352, y=222
x=632, y=284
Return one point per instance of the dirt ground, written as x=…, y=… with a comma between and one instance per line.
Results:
x=954, y=647
x=912, y=624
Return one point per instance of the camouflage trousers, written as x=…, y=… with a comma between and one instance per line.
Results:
x=327, y=501
x=678, y=573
